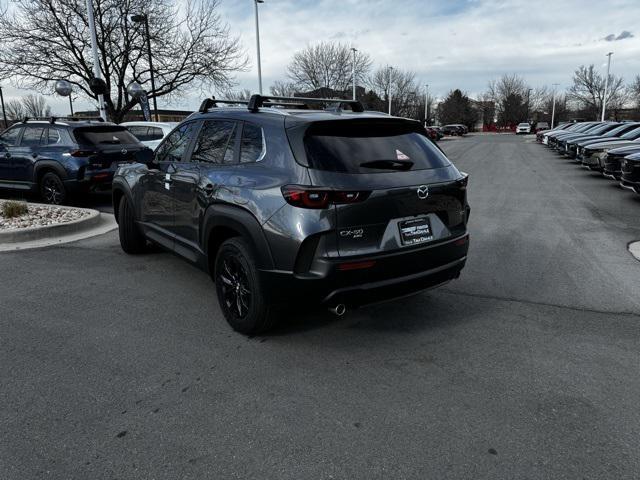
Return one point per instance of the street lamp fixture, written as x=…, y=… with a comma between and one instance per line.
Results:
x=255, y=3
x=390, y=75
x=65, y=89
x=144, y=19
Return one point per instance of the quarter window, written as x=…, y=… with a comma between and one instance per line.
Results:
x=251, y=145
x=173, y=148
x=215, y=142
x=53, y=137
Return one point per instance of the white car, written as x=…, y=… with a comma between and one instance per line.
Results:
x=523, y=128
x=150, y=133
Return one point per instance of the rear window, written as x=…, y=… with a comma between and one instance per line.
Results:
x=370, y=148
x=104, y=136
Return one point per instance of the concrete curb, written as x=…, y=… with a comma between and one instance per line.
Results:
x=55, y=230
x=96, y=223
x=634, y=249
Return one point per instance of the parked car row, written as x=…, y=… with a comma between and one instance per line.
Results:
x=455, y=129
x=612, y=148
x=57, y=158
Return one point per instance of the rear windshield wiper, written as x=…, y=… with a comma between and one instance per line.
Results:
x=388, y=164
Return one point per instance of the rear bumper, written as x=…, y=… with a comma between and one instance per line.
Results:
x=92, y=180
x=389, y=276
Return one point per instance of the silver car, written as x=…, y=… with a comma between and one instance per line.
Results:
x=150, y=133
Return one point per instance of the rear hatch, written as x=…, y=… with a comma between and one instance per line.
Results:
x=408, y=193
x=109, y=145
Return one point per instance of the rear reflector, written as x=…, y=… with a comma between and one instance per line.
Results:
x=356, y=265
x=462, y=241
x=82, y=153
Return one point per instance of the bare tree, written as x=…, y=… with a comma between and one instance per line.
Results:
x=15, y=109
x=511, y=96
x=283, y=89
x=32, y=106
x=44, y=40
x=407, y=97
x=36, y=106
x=244, y=94
x=327, y=65
x=587, y=91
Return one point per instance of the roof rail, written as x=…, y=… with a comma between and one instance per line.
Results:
x=53, y=119
x=258, y=101
x=213, y=101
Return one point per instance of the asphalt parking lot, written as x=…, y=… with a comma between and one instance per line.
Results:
x=526, y=367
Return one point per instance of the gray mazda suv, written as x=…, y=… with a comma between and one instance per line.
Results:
x=296, y=201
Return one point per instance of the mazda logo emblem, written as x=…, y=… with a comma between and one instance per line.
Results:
x=124, y=151
x=423, y=192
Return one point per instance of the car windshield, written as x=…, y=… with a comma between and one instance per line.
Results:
x=632, y=135
x=617, y=130
x=366, y=147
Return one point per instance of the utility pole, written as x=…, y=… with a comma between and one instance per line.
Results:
x=390, y=72
x=353, y=72
x=94, y=51
x=426, y=105
x=255, y=4
x=4, y=112
x=528, y=98
x=553, y=109
x=606, y=86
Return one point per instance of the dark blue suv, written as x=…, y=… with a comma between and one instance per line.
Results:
x=56, y=158
x=296, y=205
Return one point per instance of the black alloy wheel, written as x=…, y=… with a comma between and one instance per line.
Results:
x=239, y=288
x=236, y=291
x=52, y=189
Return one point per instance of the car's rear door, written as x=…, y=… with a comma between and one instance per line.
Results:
x=199, y=176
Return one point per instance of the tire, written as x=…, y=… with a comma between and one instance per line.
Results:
x=239, y=289
x=52, y=190
x=132, y=240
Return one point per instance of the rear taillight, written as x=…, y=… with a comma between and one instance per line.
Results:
x=82, y=153
x=319, y=198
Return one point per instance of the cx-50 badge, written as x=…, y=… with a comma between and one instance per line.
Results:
x=423, y=192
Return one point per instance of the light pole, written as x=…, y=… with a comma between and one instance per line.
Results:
x=606, y=86
x=553, y=108
x=4, y=112
x=426, y=105
x=255, y=4
x=143, y=18
x=353, y=71
x=390, y=72
x=528, y=98
x=94, y=51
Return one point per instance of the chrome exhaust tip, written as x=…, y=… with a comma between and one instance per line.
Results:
x=338, y=310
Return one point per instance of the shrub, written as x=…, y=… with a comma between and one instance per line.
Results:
x=12, y=209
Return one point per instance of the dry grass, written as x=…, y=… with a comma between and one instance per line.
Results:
x=13, y=209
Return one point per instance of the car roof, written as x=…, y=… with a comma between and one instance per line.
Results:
x=149, y=124
x=66, y=123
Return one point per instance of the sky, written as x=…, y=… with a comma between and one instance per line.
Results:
x=447, y=43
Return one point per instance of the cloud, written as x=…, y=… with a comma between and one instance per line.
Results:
x=612, y=36
x=624, y=34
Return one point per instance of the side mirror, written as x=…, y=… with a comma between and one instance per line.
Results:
x=146, y=156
